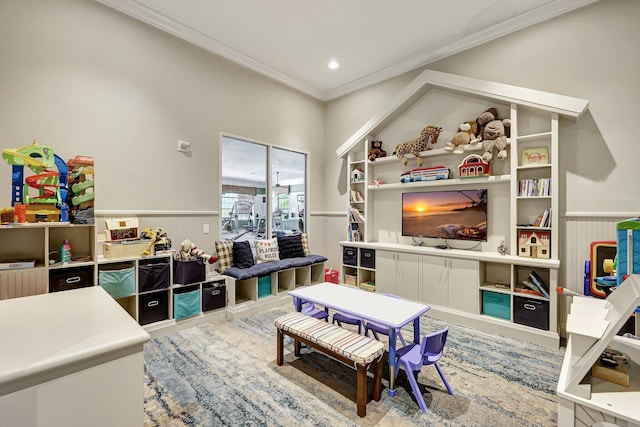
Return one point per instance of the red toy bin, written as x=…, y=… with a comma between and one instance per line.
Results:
x=331, y=275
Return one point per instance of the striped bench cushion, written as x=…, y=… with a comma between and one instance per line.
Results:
x=356, y=347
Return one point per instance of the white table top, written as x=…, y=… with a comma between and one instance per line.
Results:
x=393, y=312
x=45, y=332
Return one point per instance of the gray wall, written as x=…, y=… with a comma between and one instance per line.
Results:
x=88, y=80
x=589, y=53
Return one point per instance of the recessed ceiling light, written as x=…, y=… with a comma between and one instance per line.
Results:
x=333, y=64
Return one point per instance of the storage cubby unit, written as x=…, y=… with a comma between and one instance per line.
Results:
x=468, y=282
x=286, y=280
x=303, y=276
x=186, y=301
x=317, y=273
x=154, y=274
x=253, y=295
x=264, y=286
x=358, y=267
x=153, y=307
x=37, y=245
x=144, y=287
x=80, y=237
x=495, y=277
x=246, y=290
x=129, y=305
x=118, y=278
x=64, y=279
x=214, y=295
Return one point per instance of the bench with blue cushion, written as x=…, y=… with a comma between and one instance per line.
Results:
x=265, y=268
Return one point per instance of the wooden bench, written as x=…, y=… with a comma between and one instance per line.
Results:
x=348, y=347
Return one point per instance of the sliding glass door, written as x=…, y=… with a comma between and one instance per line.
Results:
x=263, y=190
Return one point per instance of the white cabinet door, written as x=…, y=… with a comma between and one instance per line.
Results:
x=385, y=272
x=435, y=280
x=408, y=276
x=463, y=285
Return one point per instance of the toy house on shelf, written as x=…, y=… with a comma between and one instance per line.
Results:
x=474, y=166
x=534, y=243
x=357, y=175
x=583, y=396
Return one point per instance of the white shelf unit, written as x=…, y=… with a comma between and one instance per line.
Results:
x=592, y=326
x=152, y=301
x=357, y=207
x=41, y=242
x=245, y=296
x=534, y=119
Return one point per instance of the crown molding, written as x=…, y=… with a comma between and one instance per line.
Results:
x=149, y=16
x=535, y=16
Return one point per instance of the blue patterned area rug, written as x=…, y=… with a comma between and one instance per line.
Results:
x=224, y=374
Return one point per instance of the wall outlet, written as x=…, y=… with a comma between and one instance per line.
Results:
x=184, y=146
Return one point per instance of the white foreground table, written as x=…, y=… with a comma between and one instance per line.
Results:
x=389, y=311
x=71, y=358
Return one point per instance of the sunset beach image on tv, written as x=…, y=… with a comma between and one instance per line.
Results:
x=459, y=214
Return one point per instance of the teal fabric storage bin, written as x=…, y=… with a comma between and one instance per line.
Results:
x=264, y=286
x=119, y=282
x=186, y=302
x=496, y=304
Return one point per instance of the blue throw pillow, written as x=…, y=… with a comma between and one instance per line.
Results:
x=242, y=255
x=290, y=246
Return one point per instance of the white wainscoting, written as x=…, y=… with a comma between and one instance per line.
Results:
x=179, y=225
x=580, y=229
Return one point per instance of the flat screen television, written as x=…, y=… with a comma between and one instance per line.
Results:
x=453, y=214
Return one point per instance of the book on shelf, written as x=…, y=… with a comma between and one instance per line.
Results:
x=530, y=288
x=538, y=221
x=355, y=215
x=354, y=233
x=538, y=283
x=545, y=218
x=548, y=223
x=527, y=290
x=534, y=187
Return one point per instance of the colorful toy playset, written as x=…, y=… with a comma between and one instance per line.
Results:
x=628, y=235
x=51, y=179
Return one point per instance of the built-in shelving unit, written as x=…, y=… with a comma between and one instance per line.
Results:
x=477, y=286
x=143, y=286
x=256, y=294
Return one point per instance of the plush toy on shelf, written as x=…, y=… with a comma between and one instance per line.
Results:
x=493, y=134
x=465, y=134
x=376, y=150
x=189, y=251
x=428, y=135
x=158, y=240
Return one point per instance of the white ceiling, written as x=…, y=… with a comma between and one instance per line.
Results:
x=292, y=41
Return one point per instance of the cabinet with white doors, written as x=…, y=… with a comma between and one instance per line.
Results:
x=450, y=282
x=523, y=229
x=398, y=273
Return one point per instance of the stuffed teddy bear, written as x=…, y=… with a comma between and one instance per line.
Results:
x=464, y=135
x=376, y=150
x=493, y=134
x=415, y=146
x=189, y=251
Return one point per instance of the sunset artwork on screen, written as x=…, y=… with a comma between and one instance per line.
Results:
x=445, y=214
